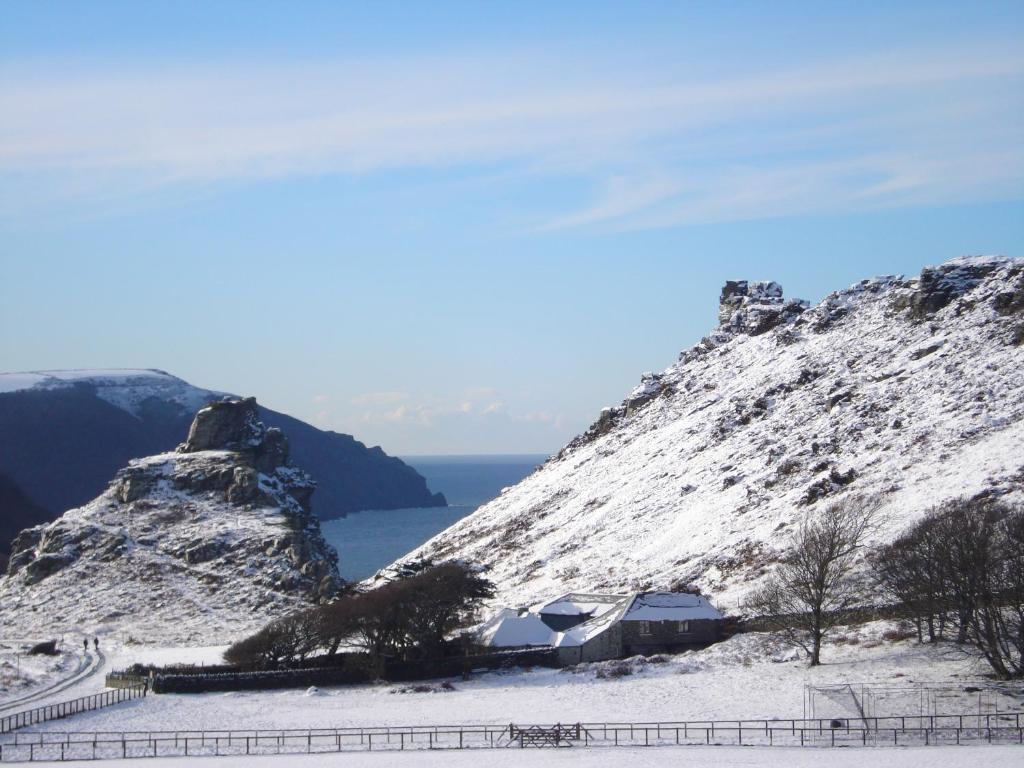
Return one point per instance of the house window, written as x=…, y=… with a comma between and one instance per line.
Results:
x=683, y=627
x=645, y=627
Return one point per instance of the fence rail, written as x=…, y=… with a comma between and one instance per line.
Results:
x=13, y=722
x=824, y=732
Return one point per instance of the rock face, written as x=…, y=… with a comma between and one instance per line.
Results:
x=197, y=545
x=227, y=425
x=938, y=286
x=82, y=426
x=755, y=307
x=908, y=389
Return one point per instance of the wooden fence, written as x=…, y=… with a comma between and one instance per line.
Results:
x=885, y=731
x=63, y=709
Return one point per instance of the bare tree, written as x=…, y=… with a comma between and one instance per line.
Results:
x=913, y=572
x=967, y=530
x=997, y=625
x=964, y=561
x=814, y=583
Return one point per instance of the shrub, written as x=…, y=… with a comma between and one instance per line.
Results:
x=616, y=670
x=898, y=635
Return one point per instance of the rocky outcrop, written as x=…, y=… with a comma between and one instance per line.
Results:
x=908, y=389
x=755, y=307
x=218, y=534
x=938, y=286
x=83, y=426
x=744, y=307
x=229, y=424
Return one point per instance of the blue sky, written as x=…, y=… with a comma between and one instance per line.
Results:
x=461, y=228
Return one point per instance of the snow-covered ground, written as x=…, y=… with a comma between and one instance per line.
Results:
x=22, y=674
x=750, y=676
x=696, y=757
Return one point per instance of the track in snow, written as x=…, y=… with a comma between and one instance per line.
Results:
x=88, y=666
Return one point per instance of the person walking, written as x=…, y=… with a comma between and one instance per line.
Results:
x=85, y=644
x=96, y=644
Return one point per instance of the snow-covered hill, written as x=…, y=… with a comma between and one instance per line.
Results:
x=912, y=389
x=125, y=388
x=200, y=545
x=81, y=426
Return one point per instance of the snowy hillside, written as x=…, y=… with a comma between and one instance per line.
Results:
x=912, y=389
x=203, y=544
x=126, y=389
x=81, y=426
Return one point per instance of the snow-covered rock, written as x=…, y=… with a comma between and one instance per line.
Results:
x=199, y=545
x=911, y=389
x=84, y=425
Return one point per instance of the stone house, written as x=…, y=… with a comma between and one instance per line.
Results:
x=595, y=627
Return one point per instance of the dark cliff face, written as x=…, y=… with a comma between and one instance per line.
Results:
x=16, y=512
x=61, y=446
x=350, y=476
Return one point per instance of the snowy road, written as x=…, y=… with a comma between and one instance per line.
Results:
x=692, y=757
x=88, y=666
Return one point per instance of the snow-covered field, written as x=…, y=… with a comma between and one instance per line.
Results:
x=750, y=676
x=697, y=757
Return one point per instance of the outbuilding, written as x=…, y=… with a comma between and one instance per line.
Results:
x=595, y=627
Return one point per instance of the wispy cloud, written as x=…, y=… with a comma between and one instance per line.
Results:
x=474, y=404
x=659, y=149
x=380, y=398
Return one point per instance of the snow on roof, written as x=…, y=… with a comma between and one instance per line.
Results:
x=513, y=631
x=669, y=606
x=578, y=604
x=580, y=634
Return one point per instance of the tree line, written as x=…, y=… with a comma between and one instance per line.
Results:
x=957, y=573
x=409, y=618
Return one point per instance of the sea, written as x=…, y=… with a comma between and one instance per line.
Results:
x=367, y=541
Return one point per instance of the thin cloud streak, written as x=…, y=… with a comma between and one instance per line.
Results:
x=660, y=153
